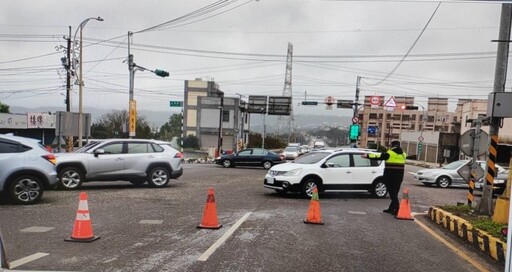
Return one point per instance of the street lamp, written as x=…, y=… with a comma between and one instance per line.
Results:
x=80, y=83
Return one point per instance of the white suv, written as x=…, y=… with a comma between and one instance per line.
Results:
x=134, y=160
x=328, y=170
x=26, y=169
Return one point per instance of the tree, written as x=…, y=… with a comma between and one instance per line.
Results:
x=4, y=108
x=271, y=142
x=111, y=125
x=191, y=141
x=171, y=128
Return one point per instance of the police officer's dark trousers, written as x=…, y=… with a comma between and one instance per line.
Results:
x=393, y=180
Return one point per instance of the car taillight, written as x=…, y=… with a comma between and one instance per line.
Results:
x=281, y=157
x=178, y=155
x=51, y=158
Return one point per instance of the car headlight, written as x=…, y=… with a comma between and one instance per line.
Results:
x=293, y=172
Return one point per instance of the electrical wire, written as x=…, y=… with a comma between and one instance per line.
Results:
x=410, y=49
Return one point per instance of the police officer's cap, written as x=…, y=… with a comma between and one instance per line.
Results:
x=395, y=143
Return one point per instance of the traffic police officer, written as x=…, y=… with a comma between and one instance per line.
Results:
x=393, y=172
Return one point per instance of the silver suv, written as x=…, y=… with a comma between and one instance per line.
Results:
x=135, y=160
x=26, y=169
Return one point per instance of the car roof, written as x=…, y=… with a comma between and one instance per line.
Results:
x=20, y=139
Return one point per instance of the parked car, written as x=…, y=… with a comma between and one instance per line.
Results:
x=448, y=175
x=328, y=170
x=291, y=152
x=135, y=160
x=304, y=149
x=499, y=183
x=251, y=157
x=26, y=169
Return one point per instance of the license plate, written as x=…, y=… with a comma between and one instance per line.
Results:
x=270, y=180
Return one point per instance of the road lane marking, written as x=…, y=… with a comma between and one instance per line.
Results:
x=151, y=221
x=222, y=239
x=359, y=213
x=37, y=229
x=27, y=259
x=463, y=255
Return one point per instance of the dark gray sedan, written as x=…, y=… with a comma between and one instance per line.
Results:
x=251, y=157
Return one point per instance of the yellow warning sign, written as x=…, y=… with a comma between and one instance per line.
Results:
x=133, y=117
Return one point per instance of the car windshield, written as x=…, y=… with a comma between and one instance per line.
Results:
x=454, y=165
x=290, y=149
x=311, y=158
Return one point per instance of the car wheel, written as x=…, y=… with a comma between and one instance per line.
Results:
x=379, y=189
x=267, y=164
x=158, y=177
x=443, y=181
x=137, y=182
x=26, y=189
x=70, y=178
x=226, y=163
x=308, y=186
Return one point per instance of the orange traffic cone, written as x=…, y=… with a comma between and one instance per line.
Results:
x=210, y=220
x=314, y=215
x=82, y=230
x=3, y=256
x=404, y=212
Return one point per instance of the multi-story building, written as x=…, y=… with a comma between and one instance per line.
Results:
x=477, y=108
x=216, y=120
x=382, y=124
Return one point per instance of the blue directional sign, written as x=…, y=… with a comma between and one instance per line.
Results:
x=372, y=130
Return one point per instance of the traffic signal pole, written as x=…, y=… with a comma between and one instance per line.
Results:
x=132, y=67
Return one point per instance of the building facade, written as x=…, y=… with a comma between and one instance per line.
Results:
x=216, y=120
x=382, y=124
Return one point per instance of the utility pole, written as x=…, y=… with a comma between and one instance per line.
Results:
x=69, y=139
x=132, y=104
x=500, y=77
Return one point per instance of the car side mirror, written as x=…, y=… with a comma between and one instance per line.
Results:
x=98, y=152
x=324, y=165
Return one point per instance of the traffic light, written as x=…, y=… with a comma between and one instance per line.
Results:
x=161, y=73
x=354, y=132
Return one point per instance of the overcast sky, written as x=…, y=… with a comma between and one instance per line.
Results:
x=242, y=46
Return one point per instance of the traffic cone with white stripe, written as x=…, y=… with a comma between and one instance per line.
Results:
x=404, y=212
x=3, y=258
x=82, y=230
x=314, y=215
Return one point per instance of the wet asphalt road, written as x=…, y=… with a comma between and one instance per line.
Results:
x=145, y=229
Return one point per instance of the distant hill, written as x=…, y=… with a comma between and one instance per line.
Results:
x=273, y=123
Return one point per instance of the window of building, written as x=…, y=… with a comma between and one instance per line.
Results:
x=373, y=116
x=225, y=116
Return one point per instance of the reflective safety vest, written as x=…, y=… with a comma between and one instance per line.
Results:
x=394, y=161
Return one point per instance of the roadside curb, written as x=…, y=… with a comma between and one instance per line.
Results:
x=465, y=230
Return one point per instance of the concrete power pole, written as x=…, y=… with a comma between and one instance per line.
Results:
x=500, y=76
x=69, y=140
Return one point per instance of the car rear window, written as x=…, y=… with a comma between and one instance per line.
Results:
x=311, y=158
x=10, y=147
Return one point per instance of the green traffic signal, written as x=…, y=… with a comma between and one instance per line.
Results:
x=354, y=132
x=161, y=73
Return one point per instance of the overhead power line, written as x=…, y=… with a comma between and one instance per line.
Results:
x=412, y=46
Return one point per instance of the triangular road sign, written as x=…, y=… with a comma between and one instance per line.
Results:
x=391, y=102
